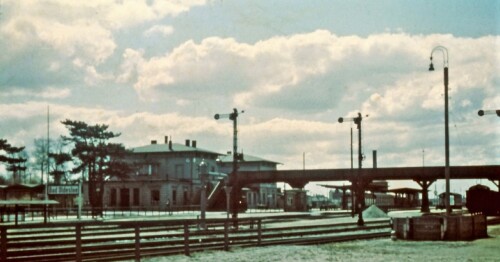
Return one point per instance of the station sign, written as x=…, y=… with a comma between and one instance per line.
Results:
x=63, y=190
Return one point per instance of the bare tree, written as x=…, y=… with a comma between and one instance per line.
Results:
x=40, y=154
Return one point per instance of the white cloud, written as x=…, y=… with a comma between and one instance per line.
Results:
x=131, y=59
x=78, y=31
x=92, y=77
x=319, y=76
x=158, y=29
x=46, y=93
x=55, y=93
x=310, y=66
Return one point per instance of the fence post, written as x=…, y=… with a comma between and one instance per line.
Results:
x=78, y=242
x=137, y=243
x=259, y=232
x=3, y=246
x=226, y=235
x=186, y=239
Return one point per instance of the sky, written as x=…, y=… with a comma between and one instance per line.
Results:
x=150, y=69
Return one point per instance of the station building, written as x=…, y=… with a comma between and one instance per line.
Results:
x=167, y=176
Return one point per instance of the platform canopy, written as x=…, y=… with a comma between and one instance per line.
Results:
x=21, y=202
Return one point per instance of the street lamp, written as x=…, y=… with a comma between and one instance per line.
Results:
x=232, y=188
x=203, y=172
x=444, y=51
x=358, y=183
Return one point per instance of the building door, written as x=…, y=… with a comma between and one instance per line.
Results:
x=112, y=200
x=136, y=197
x=124, y=197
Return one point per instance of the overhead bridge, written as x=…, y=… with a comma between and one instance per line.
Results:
x=299, y=178
x=424, y=176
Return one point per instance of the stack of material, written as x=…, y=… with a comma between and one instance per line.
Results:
x=374, y=212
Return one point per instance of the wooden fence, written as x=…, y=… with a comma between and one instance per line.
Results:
x=111, y=241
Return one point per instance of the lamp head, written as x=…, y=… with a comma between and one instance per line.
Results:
x=431, y=66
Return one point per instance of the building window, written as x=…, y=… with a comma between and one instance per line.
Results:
x=185, y=197
x=112, y=197
x=155, y=197
x=124, y=197
x=179, y=171
x=174, y=197
x=136, y=197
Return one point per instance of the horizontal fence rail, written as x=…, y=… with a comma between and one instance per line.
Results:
x=119, y=240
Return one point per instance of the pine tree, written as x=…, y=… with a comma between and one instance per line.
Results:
x=14, y=159
x=96, y=157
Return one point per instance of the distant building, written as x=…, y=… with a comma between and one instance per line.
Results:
x=257, y=195
x=340, y=198
x=319, y=201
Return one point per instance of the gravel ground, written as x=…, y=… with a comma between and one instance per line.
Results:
x=367, y=250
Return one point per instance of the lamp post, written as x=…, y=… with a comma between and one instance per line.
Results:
x=444, y=51
x=358, y=181
x=203, y=196
x=232, y=189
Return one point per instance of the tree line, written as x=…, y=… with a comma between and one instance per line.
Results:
x=86, y=153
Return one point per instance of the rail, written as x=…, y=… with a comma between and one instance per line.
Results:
x=120, y=240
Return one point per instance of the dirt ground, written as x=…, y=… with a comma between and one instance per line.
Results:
x=367, y=250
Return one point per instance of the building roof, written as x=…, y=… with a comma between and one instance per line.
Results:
x=28, y=202
x=405, y=190
x=228, y=158
x=23, y=186
x=170, y=148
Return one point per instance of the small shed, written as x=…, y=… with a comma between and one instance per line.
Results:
x=295, y=200
x=406, y=197
x=21, y=191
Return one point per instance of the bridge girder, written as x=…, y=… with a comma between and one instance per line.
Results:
x=302, y=177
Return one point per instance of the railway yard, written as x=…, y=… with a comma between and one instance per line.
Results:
x=311, y=236
x=377, y=250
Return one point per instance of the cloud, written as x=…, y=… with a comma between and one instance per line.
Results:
x=158, y=68
x=311, y=72
x=47, y=93
x=48, y=36
x=295, y=87
x=158, y=29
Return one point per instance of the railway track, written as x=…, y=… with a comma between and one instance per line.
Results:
x=114, y=241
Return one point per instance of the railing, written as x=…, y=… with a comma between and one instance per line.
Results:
x=97, y=240
x=30, y=213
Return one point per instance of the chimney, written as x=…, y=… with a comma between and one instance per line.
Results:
x=166, y=139
x=187, y=142
x=153, y=142
x=193, y=143
x=170, y=144
x=374, y=158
